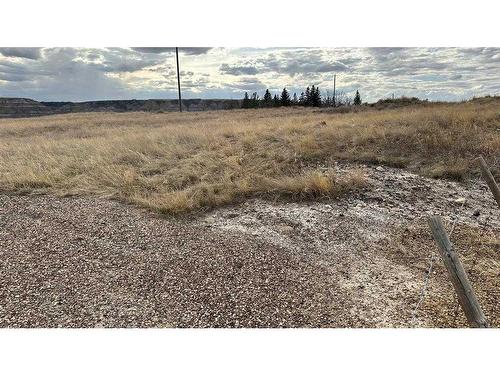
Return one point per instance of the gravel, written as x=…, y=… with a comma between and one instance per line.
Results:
x=355, y=262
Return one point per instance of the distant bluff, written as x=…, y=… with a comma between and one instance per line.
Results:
x=22, y=107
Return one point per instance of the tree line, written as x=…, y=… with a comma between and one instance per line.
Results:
x=311, y=97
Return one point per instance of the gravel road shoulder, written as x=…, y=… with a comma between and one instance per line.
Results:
x=359, y=261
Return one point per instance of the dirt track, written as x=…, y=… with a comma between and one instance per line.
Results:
x=356, y=262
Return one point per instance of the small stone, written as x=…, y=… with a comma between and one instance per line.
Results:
x=286, y=228
x=380, y=169
x=209, y=220
x=476, y=213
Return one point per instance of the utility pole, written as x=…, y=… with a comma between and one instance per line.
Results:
x=178, y=78
x=334, y=79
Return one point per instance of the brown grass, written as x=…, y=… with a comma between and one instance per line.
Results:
x=478, y=249
x=179, y=162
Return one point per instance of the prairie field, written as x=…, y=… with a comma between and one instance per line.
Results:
x=247, y=218
x=175, y=163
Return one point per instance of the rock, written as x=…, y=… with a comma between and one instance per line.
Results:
x=476, y=213
x=380, y=169
x=210, y=220
x=460, y=200
x=285, y=228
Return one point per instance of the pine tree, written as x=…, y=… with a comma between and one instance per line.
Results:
x=315, y=97
x=276, y=100
x=357, y=98
x=268, y=99
x=254, y=101
x=307, y=97
x=302, y=99
x=285, y=98
x=246, y=101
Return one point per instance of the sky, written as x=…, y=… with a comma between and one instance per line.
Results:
x=81, y=74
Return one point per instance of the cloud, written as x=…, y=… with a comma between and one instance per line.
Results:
x=121, y=60
x=58, y=76
x=305, y=62
x=153, y=49
x=238, y=70
x=32, y=53
x=184, y=50
x=144, y=72
x=194, y=50
x=131, y=65
x=12, y=77
x=247, y=84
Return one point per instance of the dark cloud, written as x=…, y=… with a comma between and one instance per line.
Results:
x=194, y=50
x=184, y=50
x=32, y=53
x=120, y=60
x=128, y=66
x=282, y=66
x=303, y=61
x=153, y=49
x=238, y=70
x=247, y=84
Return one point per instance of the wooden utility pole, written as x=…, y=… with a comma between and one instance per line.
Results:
x=490, y=180
x=334, y=79
x=456, y=272
x=178, y=78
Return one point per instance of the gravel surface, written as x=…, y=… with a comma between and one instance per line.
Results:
x=355, y=262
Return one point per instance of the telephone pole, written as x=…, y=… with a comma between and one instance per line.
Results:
x=178, y=78
x=334, y=79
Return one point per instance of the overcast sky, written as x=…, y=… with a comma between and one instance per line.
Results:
x=78, y=74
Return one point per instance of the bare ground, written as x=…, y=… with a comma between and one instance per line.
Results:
x=359, y=261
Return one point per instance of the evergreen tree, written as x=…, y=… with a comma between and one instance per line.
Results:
x=315, y=97
x=254, y=101
x=357, y=98
x=307, y=97
x=285, y=98
x=295, y=100
x=268, y=99
x=302, y=99
x=312, y=96
x=276, y=100
x=246, y=101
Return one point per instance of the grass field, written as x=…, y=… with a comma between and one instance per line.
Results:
x=176, y=163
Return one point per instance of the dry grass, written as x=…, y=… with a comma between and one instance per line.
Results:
x=478, y=249
x=179, y=162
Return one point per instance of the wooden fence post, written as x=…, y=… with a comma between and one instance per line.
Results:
x=457, y=274
x=490, y=180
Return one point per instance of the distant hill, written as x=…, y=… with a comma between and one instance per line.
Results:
x=22, y=107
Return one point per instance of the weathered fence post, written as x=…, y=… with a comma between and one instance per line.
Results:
x=457, y=274
x=490, y=180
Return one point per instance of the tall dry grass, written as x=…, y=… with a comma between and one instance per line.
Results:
x=179, y=162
